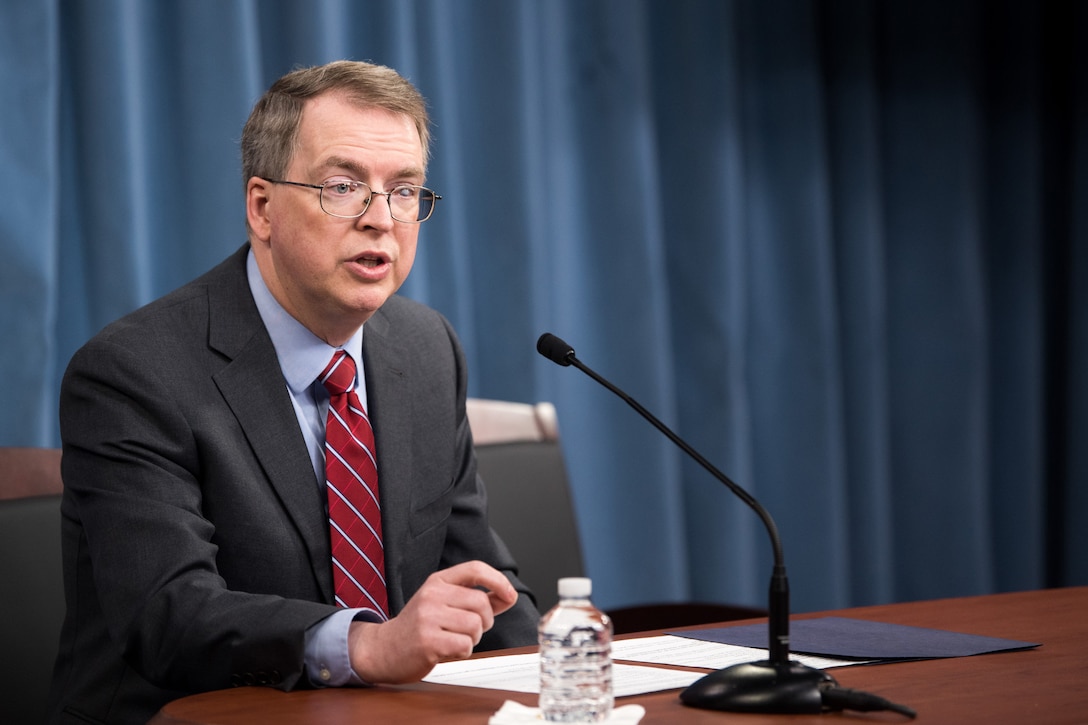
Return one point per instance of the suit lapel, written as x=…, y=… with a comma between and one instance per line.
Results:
x=253, y=386
x=386, y=365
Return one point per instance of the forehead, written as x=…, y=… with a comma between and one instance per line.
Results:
x=334, y=131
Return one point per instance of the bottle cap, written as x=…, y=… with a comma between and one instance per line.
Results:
x=575, y=587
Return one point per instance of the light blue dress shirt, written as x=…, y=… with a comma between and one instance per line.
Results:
x=303, y=357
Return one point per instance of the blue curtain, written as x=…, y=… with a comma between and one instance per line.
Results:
x=836, y=245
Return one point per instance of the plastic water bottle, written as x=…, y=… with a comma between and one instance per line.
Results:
x=575, y=657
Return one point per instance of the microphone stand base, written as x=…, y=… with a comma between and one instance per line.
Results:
x=760, y=687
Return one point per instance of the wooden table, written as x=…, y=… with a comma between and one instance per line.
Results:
x=1048, y=684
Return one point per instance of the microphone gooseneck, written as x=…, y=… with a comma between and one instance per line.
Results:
x=776, y=685
x=561, y=353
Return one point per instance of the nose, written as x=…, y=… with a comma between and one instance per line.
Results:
x=378, y=215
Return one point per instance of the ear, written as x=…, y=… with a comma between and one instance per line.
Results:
x=257, y=200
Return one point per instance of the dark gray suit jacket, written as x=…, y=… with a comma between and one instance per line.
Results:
x=195, y=543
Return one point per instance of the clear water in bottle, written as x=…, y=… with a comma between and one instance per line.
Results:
x=575, y=657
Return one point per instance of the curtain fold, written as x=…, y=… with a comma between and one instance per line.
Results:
x=835, y=245
x=28, y=228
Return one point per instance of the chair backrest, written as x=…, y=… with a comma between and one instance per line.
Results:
x=31, y=585
x=521, y=462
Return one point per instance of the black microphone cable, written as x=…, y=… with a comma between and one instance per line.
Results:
x=837, y=698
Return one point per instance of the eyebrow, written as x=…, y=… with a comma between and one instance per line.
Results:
x=361, y=172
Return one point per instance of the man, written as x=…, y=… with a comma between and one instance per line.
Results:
x=196, y=516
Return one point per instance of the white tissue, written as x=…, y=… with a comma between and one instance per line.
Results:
x=514, y=713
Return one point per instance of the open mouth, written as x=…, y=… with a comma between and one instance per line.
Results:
x=371, y=260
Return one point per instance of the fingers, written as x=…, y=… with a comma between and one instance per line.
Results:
x=444, y=620
x=455, y=609
x=478, y=575
x=501, y=602
x=406, y=647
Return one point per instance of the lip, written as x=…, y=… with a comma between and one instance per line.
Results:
x=370, y=265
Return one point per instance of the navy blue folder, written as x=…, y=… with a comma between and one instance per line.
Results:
x=843, y=638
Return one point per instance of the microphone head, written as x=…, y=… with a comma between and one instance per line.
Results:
x=555, y=349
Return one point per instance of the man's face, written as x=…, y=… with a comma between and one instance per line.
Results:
x=329, y=273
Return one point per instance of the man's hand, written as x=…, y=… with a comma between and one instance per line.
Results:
x=443, y=621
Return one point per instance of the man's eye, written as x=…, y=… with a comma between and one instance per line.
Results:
x=341, y=188
x=406, y=192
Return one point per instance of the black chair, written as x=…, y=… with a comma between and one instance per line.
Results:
x=32, y=598
x=669, y=615
x=521, y=461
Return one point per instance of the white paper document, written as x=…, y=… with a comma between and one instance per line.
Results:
x=521, y=673
x=667, y=649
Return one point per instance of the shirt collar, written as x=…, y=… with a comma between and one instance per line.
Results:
x=302, y=354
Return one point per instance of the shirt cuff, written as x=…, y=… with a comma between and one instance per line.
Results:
x=326, y=655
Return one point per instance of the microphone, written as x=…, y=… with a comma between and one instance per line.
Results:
x=774, y=685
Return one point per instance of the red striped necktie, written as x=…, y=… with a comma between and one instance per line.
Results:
x=351, y=479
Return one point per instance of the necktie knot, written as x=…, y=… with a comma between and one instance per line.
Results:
x=339, y=375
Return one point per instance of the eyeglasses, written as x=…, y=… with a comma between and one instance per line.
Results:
x=350, y=199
